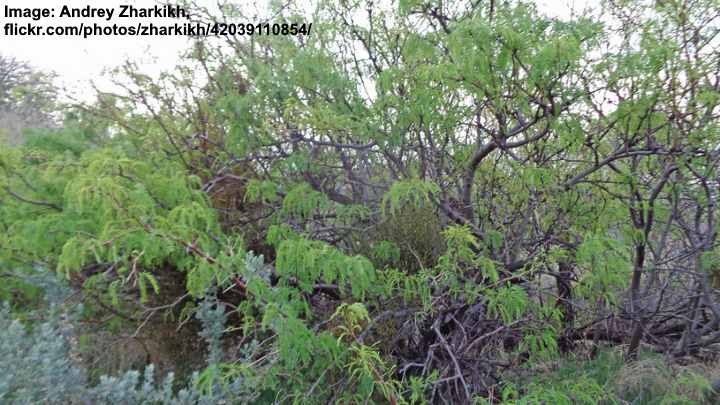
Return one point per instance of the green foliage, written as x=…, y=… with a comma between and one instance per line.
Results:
x=261, y=191
x=575, y=391
x=302, y=202
x=353, y=317
x=370, y=374
x=386, y=252
x=509, y=302
x=606, y=266
x=464, y=252
x=414, y=192
x=307, y=262
x=411, y=170
x=416, y=232
x=606, y=379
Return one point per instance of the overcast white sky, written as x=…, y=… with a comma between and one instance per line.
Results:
x=77, y=60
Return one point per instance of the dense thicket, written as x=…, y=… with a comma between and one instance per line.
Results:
x=411, y=204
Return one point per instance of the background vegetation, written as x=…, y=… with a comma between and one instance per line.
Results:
x=419, y=202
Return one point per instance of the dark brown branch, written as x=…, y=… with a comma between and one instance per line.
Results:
x=34, y=202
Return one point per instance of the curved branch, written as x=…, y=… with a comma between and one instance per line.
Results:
x=29, y=201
